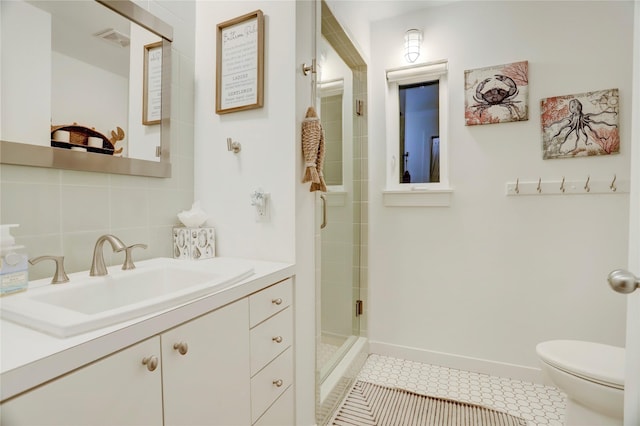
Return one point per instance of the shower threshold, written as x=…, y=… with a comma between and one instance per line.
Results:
x=346, y=365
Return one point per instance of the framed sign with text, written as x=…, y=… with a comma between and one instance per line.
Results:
x=152, y=84
x=240, y=63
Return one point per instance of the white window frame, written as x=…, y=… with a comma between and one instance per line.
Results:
x=416, y=194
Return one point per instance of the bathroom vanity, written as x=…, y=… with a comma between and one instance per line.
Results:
x=224, y=358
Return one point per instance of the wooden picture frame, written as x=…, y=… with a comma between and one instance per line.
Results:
x=240, y=63
x=152, y=84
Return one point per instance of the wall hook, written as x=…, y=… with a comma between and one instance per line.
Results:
x=517, y=188
x=233, y=146
x=539, y=188
x=613, y=184
x=586, y=185
x=562, y=188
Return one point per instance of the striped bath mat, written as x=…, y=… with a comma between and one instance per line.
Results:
x=369, y=404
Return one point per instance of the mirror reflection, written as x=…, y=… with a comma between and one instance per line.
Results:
x=73, y=75
x=331, y=106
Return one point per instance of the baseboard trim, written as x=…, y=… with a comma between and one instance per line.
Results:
x=460, y=362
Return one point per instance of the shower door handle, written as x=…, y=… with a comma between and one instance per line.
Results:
x=623, y=281
x=323, y=198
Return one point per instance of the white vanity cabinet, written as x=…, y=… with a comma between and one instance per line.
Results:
x=230, y=366
x=271, y=321
x=116, y=390
x=205, y=369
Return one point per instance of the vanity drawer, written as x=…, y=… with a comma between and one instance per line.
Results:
x=281, y=413
x=270, y=383
x=269, y=301
x=271, y=338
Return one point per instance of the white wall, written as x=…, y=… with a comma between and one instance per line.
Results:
x=104, y=93
x=491, y=276
x=27, y=99
x=224, y=180
x=632, y=387
x=270, y=159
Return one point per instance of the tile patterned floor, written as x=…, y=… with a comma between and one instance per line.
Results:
x=538, y=404
x=325, y=352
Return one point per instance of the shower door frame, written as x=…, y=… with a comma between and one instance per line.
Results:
x=327, y=24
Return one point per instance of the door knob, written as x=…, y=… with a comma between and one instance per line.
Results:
x=623, y=281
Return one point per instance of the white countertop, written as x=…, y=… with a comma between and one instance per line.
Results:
x=29, y=358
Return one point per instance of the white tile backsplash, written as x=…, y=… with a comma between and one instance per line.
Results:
x=129, y=207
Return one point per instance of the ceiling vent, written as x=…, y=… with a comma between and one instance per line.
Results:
x=115, y=37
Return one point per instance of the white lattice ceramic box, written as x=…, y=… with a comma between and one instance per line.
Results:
x=193, y=243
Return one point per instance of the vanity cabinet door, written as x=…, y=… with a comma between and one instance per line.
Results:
x=116, y=390
x=206, y=369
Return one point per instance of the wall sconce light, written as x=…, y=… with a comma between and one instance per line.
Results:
x=412, y=41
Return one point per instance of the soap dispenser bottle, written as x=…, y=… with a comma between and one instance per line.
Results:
x=14, y=270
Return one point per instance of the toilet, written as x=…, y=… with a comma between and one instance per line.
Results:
x=592, y=376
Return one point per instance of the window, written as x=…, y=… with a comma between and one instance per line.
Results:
x=417, y=136
x=419, y=132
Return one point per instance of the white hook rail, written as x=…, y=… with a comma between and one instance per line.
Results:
x=563, y=186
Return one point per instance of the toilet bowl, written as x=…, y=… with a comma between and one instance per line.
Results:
x=592, y=376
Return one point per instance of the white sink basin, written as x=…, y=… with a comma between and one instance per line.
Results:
x=88, y=303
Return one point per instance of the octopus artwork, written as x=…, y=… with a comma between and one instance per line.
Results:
x=497, y=94
x=580, y=125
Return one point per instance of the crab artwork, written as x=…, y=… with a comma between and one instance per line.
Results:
x=497, y=94
x=580, y=125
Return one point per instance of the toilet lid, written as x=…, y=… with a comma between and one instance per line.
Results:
x=596, y=362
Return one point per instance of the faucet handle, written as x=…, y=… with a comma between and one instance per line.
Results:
x=128, y=259
x=60, y=276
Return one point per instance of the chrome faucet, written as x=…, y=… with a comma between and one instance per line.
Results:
x=98, y=267
x=60, y=276
x=128, y=260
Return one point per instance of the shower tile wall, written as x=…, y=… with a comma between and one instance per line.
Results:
x=64, y=212
x=336, y=273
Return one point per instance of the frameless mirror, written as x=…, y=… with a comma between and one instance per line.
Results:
x=85, y=86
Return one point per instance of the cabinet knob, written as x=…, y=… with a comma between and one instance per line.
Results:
x=181, y=347
x=151, y=362
x=277, y=339
x=278, y=382
x=277, y=301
